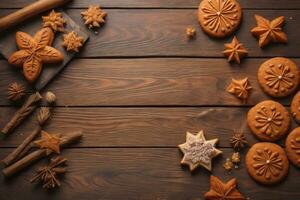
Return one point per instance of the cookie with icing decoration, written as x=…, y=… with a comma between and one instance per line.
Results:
x=198, y=151
x=267, y=163
x=292, y=146
x=278, y=77
x=219, y=18
x=295, y=107
x=269, y=120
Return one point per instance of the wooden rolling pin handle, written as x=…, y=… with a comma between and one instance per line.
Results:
x=29, y=11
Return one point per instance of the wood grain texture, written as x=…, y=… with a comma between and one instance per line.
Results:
x=155, y=81
x=161, y=32
x=8, y=46
x=246, y=4
x=146, y=174
x=138, y=127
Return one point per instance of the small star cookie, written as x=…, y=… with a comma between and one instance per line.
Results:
x=50, y=142
x=223, y=191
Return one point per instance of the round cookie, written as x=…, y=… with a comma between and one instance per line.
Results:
x=292, y=146
x=268, y=120
x=267, y=163
x=219, y=18
x=278, y=77
x=295, y=107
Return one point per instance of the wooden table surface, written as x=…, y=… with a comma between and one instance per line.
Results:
x=136, y=88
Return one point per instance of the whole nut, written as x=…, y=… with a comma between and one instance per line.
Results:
x=50, y=97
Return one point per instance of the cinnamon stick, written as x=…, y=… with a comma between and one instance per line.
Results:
x=42, y=116
x=29, y=11
x=38, y=154
x=27, y=108
x=13, y=155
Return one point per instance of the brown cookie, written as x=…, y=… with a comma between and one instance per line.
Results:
x=278, y=77
x=268, y=120
x=292, y=146
x=219, y=18
x=267, y=163
x=295, y=107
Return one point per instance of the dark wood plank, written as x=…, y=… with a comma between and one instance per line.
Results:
x=163, y=81
x=253, y=4
x=145, y=174
x=138, y=127
x=8, y=46
x=155, y=32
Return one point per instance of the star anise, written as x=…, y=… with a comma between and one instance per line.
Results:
x=47, y=175
x=223, y=191
x=235, y=51
x=238, y=140
x=240, y=88
x=94, y=16
x=15, y=91
x=55, y=21
x=268, y=31
x=72, y=42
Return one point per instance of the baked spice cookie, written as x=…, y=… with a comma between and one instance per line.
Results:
x=267, y=163
x=278, y=77
x=234, y=51
x=292, y=146
x=72, y=42
x=223, y=191
x=295, y=107
x=268, y=31
x=219, y=18
x=94, y=16
x=239, y=88
x=55, y=21
x=198, y=151
x=34, y=52
x=268, y=120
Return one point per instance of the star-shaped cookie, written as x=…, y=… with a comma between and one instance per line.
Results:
x=198, y=151
x=50, y=142
x=223, y=191
x=72, y=41
x=55, y=21
x=268, y=31
x=235, y=51
x=239, y=88
x=34, y=52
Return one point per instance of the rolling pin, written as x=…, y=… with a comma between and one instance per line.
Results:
x=27, y=12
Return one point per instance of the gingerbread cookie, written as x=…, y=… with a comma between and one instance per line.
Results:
x=198, y=151
x=278, y=77
x=226, y=191
x=268, y=120
x=267, y=163
x=295, y=107
x=34, y=52
x=219, y=18
x=269, y=31
x=292, y=146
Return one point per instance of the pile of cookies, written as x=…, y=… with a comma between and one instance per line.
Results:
x=269, y=121
x=279, y=77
